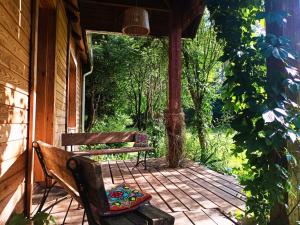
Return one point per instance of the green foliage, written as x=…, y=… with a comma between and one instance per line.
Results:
x=218, y=152
x=39, y=219
x=202, y=73
x=265, y=117
x=118, y=122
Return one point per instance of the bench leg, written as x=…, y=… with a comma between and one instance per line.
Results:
x=138, y=159
x=145, y=160
x=83, y=217
x=67, y=211
x=45, y=196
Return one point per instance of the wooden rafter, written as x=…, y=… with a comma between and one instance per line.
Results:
x=194, y=10
x=73, y=12
x=126, y=5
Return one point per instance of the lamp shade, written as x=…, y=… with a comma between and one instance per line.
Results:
x=136, y=22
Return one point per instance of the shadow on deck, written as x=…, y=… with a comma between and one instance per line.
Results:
x=193, y=194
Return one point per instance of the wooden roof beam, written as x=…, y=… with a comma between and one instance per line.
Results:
x=125, y=5
x=73, y=13
x=195, y=9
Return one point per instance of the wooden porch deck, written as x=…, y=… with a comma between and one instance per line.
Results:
x=194, y=195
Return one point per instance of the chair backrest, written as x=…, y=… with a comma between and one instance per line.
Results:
x=80, y=176
x=88, y=176
x=97, y=138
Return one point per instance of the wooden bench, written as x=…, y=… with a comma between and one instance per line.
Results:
x=81, y=177
x=73, y=139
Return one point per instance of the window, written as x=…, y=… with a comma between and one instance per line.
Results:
x=72, y=95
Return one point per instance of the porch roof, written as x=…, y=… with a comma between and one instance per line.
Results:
x=107, y=15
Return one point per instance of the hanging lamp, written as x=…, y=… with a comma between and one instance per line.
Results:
x=136, y=22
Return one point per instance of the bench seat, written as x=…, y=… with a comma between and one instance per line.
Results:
x=113, y=151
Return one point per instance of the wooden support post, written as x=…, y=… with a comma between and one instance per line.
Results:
x=174, y=115
x=32, y=106
x=293, y=32
x=46, y=73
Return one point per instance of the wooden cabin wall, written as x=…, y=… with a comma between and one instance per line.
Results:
x=15, y=31
x=61, y=81
x=61, y=63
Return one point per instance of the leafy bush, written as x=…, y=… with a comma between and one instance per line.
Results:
x=157, y=137
x=218, y=153
x=40, y=218
x=118, y=122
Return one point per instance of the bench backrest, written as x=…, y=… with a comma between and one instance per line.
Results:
x=80, y=176
x=70, y=139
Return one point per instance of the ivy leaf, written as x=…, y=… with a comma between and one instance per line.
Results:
x=18, y=219
x=269, y=116
x=290, y=158
x=292, y=70
x=276, y=53
x=281, y=111
x=292, y=136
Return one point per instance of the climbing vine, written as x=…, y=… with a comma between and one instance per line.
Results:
x=260, y=89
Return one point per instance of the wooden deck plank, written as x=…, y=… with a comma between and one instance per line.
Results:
x=217, y=217
x=116, y=174
x=181, y=219
x=185, y=199
x=127, y=176
x=230, y=179
x=156, y=200
x=220, y=193
x=224, y=205
x=107, y=178
x=198, y=197
x=218, y=185
x=199, y=218
x=217, y=179
x=168, y=197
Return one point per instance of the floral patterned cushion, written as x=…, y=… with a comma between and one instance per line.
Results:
x=123, y=198
x=141, y=140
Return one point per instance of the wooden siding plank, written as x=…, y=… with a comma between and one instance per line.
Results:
x=9, y=167
x=12, y=149
x=19, y=14
x=10, y=184
x=10, y=202
x=7, y=41
x=12, y=63
x=9, y=114
x=15, y=30
x=12, y=132
x=13, y=80
x=11, y=97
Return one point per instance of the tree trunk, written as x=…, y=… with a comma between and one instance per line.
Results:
x=201, y=133
x=174, y=116
x=279, y=211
